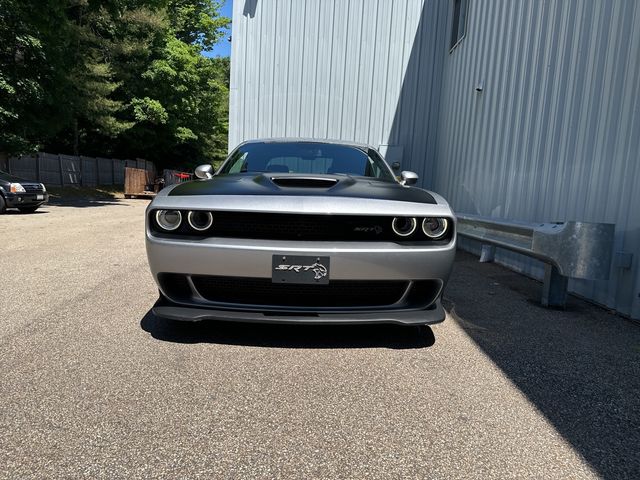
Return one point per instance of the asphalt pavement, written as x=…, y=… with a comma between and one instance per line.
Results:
x=92, y=385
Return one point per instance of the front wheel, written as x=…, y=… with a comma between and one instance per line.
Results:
x=27, y=209
x=3, y=205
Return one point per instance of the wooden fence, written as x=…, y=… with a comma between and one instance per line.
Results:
x=63, y=170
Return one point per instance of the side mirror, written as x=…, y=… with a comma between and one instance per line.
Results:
x=408, y=178
x=204, y=172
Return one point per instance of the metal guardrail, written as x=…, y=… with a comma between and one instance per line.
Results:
x=569, y=249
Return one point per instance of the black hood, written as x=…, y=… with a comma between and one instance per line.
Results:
x=303, y=185
x=6, y=178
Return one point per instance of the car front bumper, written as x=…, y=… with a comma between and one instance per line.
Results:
x=16, y=200
x=350, y=261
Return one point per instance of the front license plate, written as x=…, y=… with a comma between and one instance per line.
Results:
x=299, y=269
x=39, y=197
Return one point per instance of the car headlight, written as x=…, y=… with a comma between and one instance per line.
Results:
x=199, y=220
x=435, y=228
x=168, y=220
x=44, y=189
x=17, y=188
x=403, y=226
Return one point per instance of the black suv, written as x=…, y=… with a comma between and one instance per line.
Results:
x=22, y=194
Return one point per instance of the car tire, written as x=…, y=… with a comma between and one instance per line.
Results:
x=3, y=205
x=27, y=209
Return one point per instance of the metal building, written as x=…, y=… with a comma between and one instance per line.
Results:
x=527, y=110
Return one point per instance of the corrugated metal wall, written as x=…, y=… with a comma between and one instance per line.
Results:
x=335, y=69
x=555, y=135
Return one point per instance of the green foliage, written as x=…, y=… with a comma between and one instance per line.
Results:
x=113, y=77
x=149, y=110
x=182, y=105
x=28, y=81
x=196, y=22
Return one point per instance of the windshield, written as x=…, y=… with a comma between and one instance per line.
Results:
x=307, y=158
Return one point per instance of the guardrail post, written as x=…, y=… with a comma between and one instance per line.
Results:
x=488, y=253
x=554, y=288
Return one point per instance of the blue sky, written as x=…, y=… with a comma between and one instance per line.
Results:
x=223, y=49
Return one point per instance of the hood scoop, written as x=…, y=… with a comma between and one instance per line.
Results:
x=304, y=182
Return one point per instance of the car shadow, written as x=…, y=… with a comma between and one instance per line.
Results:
x=580, y=366
x=288, y=335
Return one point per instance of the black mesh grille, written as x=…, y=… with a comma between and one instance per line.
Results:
x=303, y=227
x=261, y=291
x=32, y=188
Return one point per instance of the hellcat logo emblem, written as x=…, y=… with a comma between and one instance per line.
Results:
x=317, y=268
x=377, y=229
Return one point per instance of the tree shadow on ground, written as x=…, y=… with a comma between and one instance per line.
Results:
x=580, y=367
x=80, y=196
x=85, y=202
x=288, y=335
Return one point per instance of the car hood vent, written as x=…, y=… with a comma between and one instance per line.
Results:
x=304, y=182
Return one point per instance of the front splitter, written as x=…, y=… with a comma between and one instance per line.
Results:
x=434, y=314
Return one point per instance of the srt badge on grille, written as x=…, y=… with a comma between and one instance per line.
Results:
x=318, y=269
x=300, y=269
x=376, y=229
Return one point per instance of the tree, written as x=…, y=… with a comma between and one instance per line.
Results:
x=96, y=108
x=197, y=22
x=32, y=42
x=106, y=77
x=182, y=111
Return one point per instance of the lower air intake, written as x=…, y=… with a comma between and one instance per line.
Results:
x=261, y=291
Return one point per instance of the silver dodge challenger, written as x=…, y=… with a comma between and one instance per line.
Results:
x=306, y=231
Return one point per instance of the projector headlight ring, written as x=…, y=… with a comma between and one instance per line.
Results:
x=404, y=226
x=434, y=227
x=199, y=220
x=168, y=220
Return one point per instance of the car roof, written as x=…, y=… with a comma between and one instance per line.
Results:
x=307, y=140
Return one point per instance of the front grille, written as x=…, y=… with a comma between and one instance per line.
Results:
x=292, y=227
x=32, y=188
x=261, y=291
x=286, y=226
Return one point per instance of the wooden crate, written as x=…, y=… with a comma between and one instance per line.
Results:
x=135, y=180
